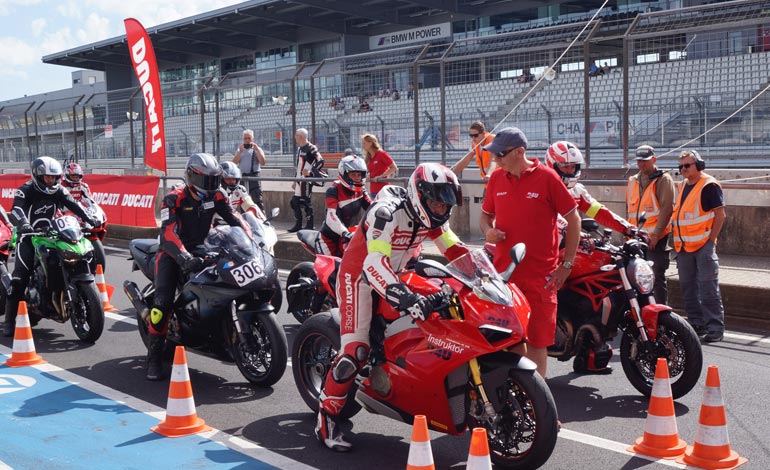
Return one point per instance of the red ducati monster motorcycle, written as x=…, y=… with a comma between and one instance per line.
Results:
x=610, y=290
x=463, y=367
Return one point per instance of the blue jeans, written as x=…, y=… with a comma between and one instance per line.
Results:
x=699, y=282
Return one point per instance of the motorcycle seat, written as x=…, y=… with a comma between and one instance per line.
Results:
x=146, y=245
x=308, y=237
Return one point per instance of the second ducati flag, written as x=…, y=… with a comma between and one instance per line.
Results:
x=146, y=68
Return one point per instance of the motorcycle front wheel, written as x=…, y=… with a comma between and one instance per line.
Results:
x=314, y=350
x=99, y=256
x=87, y=315
x=523, y=435
x=677, y=342
x=262, y=359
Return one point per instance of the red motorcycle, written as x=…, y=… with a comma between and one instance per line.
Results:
x=95, y=234
x=310, y=285
x=6, y=244
x=463, y=367
x=610, y=290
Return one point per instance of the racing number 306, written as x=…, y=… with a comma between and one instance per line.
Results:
x=246, y=273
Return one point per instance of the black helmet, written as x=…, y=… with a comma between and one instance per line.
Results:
x=432, y=181
x=349, y=164
x=230, y=171
x=46, y=166
x=203, y=175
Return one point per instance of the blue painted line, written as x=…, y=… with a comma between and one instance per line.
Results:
x=54, y=424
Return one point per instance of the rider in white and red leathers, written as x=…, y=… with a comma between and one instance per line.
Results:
x=73, y=181
x=345, y=200
x=394, y=227
x=566, y=159
x=239, y=196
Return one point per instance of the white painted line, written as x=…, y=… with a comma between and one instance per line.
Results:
x=252, y=450
x=750, y=338
x=4, y=466
x=123, y=318
x=612, y=446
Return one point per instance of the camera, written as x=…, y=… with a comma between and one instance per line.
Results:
x=247, y=146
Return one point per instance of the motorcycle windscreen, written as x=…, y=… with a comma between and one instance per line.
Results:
x=244, y=261
x=68, y=228
x=475, y=270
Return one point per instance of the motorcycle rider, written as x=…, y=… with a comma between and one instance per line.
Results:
x=239, y=197
x=186, y=215
x=566, y=159
x=34, y=206
x=344, y=201
x=73, y=181
x=394, y=227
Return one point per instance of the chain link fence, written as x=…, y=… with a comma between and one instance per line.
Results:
x=662, y=78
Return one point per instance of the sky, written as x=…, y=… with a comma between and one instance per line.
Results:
x=31, y=29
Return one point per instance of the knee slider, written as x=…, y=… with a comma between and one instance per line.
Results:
x=345, y=369
x=156, y=316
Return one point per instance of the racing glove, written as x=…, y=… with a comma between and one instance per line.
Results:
x=407, y=302
x=25, y=228
x=192, y=264
x=347, y=236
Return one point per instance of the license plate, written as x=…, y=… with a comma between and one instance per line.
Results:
x=247, y=273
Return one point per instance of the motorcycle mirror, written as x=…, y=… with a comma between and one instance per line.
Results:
x=589, y=225
x=517, y=255
x=274, y=212
x=431, y=268
x=642, y=219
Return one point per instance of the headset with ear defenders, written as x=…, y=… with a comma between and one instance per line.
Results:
x=700, y=163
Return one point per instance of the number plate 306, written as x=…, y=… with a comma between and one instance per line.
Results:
x=246, y=273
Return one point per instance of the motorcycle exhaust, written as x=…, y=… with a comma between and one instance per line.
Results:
x=135, y=296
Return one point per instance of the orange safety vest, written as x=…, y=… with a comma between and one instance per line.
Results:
x=648, y=203
x=691, y=226
x=483, y=157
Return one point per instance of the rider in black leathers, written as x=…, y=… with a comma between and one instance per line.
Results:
x=186, y=215
x=34, y=207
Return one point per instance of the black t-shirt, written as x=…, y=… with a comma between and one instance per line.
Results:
x=710, y=198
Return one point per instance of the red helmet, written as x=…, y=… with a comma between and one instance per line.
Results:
x=565, y=153
x=73, y=175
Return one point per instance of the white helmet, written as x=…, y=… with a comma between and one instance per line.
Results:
x=432, y=181
x=565, y=153
x=348, y=164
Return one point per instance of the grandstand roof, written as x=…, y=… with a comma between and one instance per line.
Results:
x=238, y=27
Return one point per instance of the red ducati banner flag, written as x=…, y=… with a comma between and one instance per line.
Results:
x=146, y=68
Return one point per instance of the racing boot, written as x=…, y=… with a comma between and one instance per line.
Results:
x=155, y=357
x=309, y=225
x=297, y=215
x=329, y=433
x=11, y=308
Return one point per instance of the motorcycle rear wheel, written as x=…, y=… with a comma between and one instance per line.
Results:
x=87, y=316
x=315, y=347
x=677, y=342
x=265, y=365
x=527, y=418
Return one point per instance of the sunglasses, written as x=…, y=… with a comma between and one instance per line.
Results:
x=686, y=165
x=473, y=136
x=503, y=153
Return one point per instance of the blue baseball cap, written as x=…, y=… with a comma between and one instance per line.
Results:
x=507, y=139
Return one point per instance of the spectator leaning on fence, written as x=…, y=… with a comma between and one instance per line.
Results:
x=249, y=157
x=479, y=138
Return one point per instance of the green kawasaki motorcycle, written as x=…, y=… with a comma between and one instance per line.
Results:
x=62, y=286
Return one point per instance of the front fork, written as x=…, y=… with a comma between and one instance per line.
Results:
x=633, y=300
x=240, y=327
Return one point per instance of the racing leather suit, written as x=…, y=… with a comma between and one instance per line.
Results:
x=594, y=209
x=386, y=241
x=241, y=202
x=185, y=223
x=78, y=192
x=34, y=208
x=342, y=209
x=308, y=158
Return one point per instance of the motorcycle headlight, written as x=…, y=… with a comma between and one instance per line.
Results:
x=71, y=256
x=641, y=275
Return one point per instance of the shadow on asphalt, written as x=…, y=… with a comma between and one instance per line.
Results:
x=48, y=340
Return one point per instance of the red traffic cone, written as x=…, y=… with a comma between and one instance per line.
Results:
x=478, y=457
x=181, y=418
x=711, y=448
x=661, y=436
x=23, y=346
x=420, y=453
x=101, y=284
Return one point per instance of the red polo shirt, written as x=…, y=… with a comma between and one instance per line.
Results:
x=526, y=209
x=379, y=163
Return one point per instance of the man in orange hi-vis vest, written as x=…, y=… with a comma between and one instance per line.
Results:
x=479, y=138
x=651, y=191
x=699, y=215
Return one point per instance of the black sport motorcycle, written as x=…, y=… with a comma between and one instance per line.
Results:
x=225, y=309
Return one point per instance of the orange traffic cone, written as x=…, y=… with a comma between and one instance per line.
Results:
x=181, y=419
x=23, y=346
x=661, y=437
x=101, y=284
x=478, y=457
x=420, y=453
x=711, y=448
